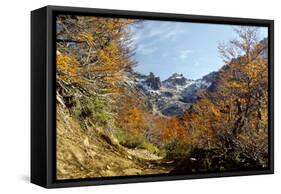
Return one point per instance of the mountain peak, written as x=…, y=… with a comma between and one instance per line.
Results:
x=153, y=82
x=176, y=76
x=176, y=79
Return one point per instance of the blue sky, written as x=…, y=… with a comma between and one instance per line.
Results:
x=165, y=48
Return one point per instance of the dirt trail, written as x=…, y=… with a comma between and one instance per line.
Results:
x=149, y=162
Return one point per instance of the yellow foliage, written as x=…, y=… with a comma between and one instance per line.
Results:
x=87, y=37
x=67, y=68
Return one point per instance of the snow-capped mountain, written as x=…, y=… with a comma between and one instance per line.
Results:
x=176, y=80
x=189, y=94
x=173, y=95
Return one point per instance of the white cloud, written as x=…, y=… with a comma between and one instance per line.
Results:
x=184, y=54
x=146, y=49
x=171, y=32
x=158, y=31
x=196, y=64
x=150, y=38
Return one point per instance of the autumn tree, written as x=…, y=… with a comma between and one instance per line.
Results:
x=93, y=54
x=240, y=98
x=96, y=49
x=230, y=118
x=246, y=76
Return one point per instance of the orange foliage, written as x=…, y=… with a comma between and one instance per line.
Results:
x=98, y=46
x=134, y=119
x=67, y=68
x=174, y=129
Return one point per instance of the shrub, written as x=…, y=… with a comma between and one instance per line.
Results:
x=94, y=108
x=135, y=141
x=127, y=140
x=152, y=148
x=176, y=148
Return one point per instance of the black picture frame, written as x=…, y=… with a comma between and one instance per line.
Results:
x=43, y=84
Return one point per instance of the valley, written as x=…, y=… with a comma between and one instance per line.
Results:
x=114, y=121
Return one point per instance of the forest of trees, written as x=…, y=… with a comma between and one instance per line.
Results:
x=226, y=128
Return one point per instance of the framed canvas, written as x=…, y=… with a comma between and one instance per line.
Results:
x=126, y=96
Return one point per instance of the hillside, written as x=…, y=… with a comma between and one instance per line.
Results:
x=88, y=152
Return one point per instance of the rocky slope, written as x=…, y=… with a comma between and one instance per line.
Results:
x=81, y=149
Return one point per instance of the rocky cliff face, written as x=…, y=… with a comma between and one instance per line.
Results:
x=176, y=80
x=189, y=94
x=174, y=95
x=153, y=82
